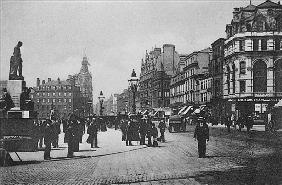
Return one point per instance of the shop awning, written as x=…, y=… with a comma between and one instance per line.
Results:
x=186, y=110
x=182, y=110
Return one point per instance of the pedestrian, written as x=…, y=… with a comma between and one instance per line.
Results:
x=129, y=133
x=123, y=128
x=228, y=123
x=149, y=132
x=93, y=133
x=142, y=131
x=249, y=123
x=202, y=135
x=154, y=135
x=241, y=122
x=162, y=128
x=48, y=136
x=41, y=133
x=71, y=135
x=57, y=131
x=6, y=102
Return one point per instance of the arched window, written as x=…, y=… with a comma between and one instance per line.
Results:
x=242, y=67
x=260, y=76
x=278, y=76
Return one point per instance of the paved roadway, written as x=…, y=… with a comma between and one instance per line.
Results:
x=229, y=161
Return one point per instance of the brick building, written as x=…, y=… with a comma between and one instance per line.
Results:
x=63, y=96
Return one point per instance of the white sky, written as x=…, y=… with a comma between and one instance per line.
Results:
x=115, y=35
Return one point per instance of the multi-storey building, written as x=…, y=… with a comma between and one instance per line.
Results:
x=156, y=71
x=253, y=59
x=63, y=96
x=216, y=73
x=196, y=69
x=122, y=102
x=83, y=80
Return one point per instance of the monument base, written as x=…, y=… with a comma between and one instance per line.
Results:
x=15, y=88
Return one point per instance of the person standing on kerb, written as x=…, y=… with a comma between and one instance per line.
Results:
x=202, y=135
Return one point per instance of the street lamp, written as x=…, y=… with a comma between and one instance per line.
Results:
x=101, y=98
x=133, y=85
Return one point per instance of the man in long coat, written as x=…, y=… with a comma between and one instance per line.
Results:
x=202, y=135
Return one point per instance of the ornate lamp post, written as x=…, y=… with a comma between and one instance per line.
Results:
x=133, y=86
x=101, y=98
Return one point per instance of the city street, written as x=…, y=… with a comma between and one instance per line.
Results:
x=241, y=160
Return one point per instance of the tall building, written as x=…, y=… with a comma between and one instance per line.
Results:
x=216, y=72
x=253, y=59
x=156, y=70
x=83, y=80
x=63, y=96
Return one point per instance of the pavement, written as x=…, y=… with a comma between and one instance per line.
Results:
x=229, y=161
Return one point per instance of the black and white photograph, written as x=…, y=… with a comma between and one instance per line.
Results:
x=140, y=92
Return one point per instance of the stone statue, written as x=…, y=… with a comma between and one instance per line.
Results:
x=16, y=64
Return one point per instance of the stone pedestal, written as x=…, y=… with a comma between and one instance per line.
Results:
x=15, y=88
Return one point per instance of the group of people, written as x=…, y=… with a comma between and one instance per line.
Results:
x=243, y=120
x=134, y=129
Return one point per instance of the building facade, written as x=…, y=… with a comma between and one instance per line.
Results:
x=62, y=96
x=253, y=59
x=156, y=70
x=3, y=84
x=216, y=73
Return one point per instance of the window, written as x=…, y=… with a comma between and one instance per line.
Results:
x=38, y=100
x=241, y=45
x=43, y=94
x=255, y=44
x=37, y=94
x=54, y=100
x=263, y=44
x=65, y=100
x=242, y=86
x=60, y=100
x=242, y=67
x=43, y=100
x=65, y=94
x=69, y=94
x=69, y=100
x=260, y=76
x=59, y=94
x=48, y=94
x=48, y=100
x=278, y=43
x=54, y=94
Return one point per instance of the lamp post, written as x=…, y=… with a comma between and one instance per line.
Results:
x=101, y=98
x=133, y=86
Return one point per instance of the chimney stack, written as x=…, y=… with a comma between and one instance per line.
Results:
x=43, y=82
x=37, y=82
x=49, y=79
x=59, y=81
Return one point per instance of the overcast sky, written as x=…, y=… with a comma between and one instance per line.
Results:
x=115, y=35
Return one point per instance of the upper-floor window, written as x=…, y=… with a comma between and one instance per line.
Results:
x=242, y=67
x=54, y=94
x=59, y=94
x=37, y=94
x=48, y=94
x=278, y=43
x=69, y=94
x=242, y=86
x=264, y=44
x=241, y=45
x=255, y=44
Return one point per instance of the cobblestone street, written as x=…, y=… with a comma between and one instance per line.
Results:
x=229, y=161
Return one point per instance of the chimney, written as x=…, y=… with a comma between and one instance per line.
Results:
x=43, y=82
x=49, y=79
x=37, y=82
x=59, y=81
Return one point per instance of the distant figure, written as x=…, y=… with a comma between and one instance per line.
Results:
x=48, y=136
x=16, y=63
x=93, y=133
x=25, y=101
x=202, y=135
x=249, y=123
x=155, y=135
x=6, y=102
x=162, y=127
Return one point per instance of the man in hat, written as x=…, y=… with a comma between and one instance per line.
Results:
x=48, y=136
x=202, y=135
x=6, y=101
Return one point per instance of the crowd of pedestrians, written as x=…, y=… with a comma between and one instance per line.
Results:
x=138, y=129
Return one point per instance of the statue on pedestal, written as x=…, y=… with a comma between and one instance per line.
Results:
x=16, y=64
